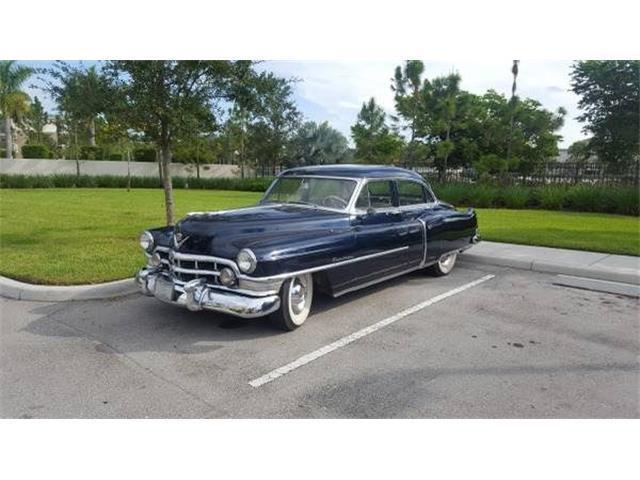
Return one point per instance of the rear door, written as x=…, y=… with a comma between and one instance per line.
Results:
x=414, y=201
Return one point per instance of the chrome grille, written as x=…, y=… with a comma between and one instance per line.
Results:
x=185, y=267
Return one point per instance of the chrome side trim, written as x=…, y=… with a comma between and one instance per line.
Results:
x=282, y=276
x=376, y=280
x=424, y=242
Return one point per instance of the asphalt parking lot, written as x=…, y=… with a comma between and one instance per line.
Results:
x=514, y=345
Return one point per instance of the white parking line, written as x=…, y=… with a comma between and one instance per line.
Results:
x=310, y=357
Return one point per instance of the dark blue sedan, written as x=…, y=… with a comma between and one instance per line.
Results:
x=333, y=228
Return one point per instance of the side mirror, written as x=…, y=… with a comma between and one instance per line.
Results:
x=363, y=215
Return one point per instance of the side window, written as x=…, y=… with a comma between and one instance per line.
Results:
x=410, y=193
x=376, y=194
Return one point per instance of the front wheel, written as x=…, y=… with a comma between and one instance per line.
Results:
x=296, y=296
x=444, y=265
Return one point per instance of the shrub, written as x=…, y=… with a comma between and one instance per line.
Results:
x=512, y=197
x=552, y=198
x=112, y=181
x=88, y=152
x=36, y=151
x=624, y=200
x=144, y=155
x=115, y=156
x=580, y=198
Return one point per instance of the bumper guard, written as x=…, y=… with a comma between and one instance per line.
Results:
x=198, y=296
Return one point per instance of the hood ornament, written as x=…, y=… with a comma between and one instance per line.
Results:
x=179, y=239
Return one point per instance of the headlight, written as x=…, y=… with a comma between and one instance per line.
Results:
x=146, y=241
x=227, y=277
x=246, y=261
x=155, y=260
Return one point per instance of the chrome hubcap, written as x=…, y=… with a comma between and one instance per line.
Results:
x=446, y=262
x=298, y=296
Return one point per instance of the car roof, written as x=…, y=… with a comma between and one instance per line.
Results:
x=354, y=171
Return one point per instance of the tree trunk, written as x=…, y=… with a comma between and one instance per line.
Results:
x=242, y=151
x=92, y=132
x=446, y=155
x=197, y=159
x=167, y=184
x=128, y=170
x=75, y=136
x=8, y=137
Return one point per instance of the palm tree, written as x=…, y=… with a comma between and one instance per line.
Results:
x=445, y=92
x=512, y=105
x=13, y=102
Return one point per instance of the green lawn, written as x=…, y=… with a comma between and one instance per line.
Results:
x=70, y=236
x=597, y=232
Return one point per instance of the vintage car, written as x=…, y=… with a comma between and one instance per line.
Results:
x=332, y=228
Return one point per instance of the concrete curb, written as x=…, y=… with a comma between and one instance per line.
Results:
x=558, y=268
x=47, y=293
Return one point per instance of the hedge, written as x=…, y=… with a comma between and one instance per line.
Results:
x=112, y=181
x=144, y=155
x=624, y=200
x=36, y=151
x=579, y=198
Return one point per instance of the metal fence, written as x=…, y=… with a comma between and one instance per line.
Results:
x=552, y=173
x=567, y=173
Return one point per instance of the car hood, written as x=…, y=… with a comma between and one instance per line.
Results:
x=225, y=233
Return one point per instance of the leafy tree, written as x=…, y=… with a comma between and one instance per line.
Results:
x=164, y=98
x=375, y=142
x=580, y=151
x=443, y=105
x=37, y=119
x=483, y=127
x=14, y=103
x=83, y=93
x=490, y=164
x=408, y=88
x=318, y=144
x=609, y=93
x=275, y=120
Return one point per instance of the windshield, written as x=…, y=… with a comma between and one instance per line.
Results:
x=324, y=192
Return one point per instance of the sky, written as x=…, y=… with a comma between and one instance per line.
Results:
x=334, y=91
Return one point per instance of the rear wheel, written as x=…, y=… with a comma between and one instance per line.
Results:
x=296, y=296
x=444, y=265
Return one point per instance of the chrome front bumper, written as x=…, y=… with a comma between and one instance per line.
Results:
x=195, y=296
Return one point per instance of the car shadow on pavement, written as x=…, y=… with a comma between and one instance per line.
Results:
x=136, y=323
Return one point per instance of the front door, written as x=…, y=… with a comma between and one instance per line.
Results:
x=381, y=234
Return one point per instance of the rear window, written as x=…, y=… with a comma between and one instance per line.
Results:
x=410, y=193
x=376, y=194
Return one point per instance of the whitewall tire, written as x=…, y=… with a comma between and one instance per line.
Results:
x=444, y=265
x=296, y=296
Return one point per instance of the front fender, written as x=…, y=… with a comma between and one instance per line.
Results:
x=296, y=252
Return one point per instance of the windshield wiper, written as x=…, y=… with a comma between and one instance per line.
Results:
x=300, y=202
